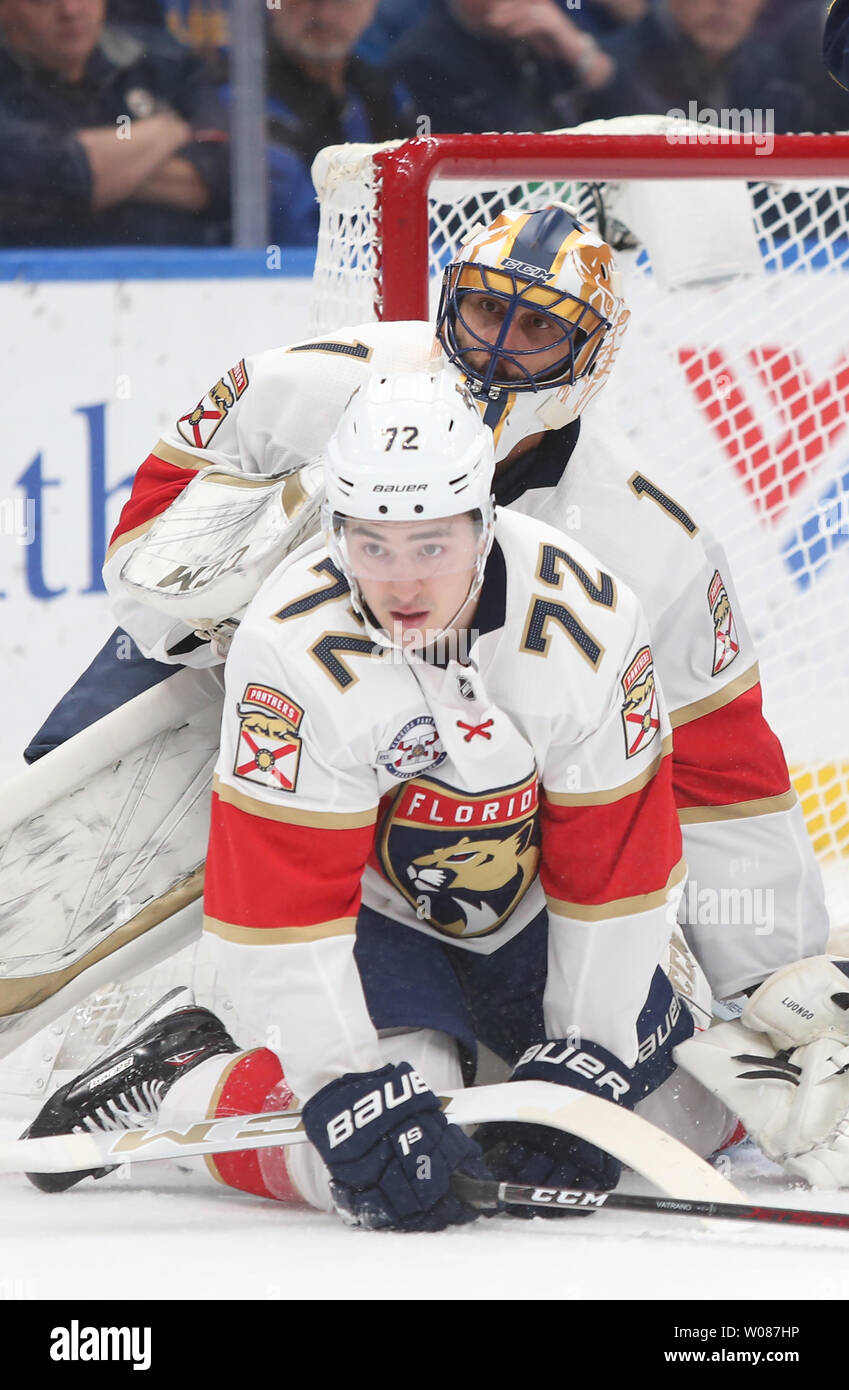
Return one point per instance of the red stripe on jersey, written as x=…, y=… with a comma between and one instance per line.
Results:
x=256, y=1083
x=728, y=756
x=155, y=486
x=599, y=854
x=266, y=873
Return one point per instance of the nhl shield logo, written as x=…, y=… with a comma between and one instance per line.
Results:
x=269, y=749
x=726, y=643
x=640, y=714
x=462, y=862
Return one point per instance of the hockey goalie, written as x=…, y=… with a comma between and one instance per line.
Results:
x=531, y=319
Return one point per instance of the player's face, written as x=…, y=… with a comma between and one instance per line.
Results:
x=61, y=34
x=414, y=576
x=539, y=338
x=321, y=30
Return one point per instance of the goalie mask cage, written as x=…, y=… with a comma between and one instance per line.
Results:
x=732, y=382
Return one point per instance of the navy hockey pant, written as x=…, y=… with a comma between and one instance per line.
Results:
x=118, y=673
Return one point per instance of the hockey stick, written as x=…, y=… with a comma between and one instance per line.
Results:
x=494, y=1196
x=666, y=1163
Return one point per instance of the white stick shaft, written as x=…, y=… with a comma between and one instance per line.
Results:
x=672, y=1167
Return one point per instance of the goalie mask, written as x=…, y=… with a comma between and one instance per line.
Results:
x=408, y=476
x=531, y=318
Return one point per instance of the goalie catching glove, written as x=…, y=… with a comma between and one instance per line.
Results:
x=783, y=1068
x=390, y=1151
x=206, y=555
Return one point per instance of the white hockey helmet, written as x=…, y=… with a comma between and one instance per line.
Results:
x=554, y=264
x=409, y=448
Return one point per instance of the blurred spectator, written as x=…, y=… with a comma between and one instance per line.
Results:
x=703, y=52
x=800, y=43
x=604, y=17
x=836, y=42
x=477, y=65
x=773, y=17
x=393, y=18
x=320, y=93
x=143, y=152
x=203, y=25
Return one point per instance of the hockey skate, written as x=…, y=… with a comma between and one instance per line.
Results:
x=124, y=1088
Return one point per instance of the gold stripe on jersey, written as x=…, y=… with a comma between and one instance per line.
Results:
x=738, y=810
x=228, y=480
x=621, y=907
x=169, y=453
x=128, y=536
x=278, y=936
x=685, y=714
x=266, y=810
x=606, y=798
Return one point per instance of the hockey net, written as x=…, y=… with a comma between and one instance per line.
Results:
x=733, y=379
x=733, y=382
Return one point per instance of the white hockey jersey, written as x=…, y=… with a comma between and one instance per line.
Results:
x=459, y=800
x=743, y=830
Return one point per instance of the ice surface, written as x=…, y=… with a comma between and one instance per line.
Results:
x=163, y=1236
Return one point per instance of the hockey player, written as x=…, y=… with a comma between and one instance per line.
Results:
x=442, y=810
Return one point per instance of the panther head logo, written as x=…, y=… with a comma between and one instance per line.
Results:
x=467, y=874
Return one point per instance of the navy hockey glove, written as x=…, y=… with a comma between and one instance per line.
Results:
x=390, y=1151
x=546, y=1157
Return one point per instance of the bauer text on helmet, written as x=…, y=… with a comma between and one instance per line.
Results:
x=408, y=511
x=533, y=306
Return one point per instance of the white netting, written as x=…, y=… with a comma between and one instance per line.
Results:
x=733, y=382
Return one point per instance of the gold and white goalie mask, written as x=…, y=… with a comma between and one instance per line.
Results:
x=532, y=317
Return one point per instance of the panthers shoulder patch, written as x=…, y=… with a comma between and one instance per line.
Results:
x=726, y=643
x=200, y=424
x=269, y=749
x=640, y=713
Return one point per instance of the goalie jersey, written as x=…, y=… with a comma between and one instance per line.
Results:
x=456, y=799
x=744, y=836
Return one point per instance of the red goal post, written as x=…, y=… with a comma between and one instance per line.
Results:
x=733, y=380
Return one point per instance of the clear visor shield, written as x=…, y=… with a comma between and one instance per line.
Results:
x=402, y=551
x=507, y=332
